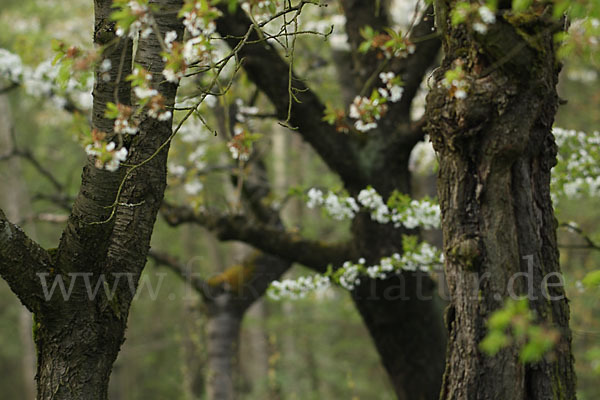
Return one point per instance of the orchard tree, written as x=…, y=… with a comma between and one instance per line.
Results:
x=106, y=239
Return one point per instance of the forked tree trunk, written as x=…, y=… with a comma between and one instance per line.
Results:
x=496, y=151
x=78, y=338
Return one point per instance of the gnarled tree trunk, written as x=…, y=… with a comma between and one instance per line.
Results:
x=496, y=151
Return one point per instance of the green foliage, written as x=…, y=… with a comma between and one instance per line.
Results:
x=390, y=43
x=460, y=12
x=515, y=325
x=592, y=279
x=521, y=5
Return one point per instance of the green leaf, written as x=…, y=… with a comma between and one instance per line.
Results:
x=500, y=320
x=112, y=111
x=592, y=279
x=232, y=6
x=560, y=7
x=494, y=342
x=520, y=5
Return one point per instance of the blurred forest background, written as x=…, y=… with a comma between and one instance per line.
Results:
x=314, y=348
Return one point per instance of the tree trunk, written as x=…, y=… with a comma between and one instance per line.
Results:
x=79, y=336
x=495, y=151
x=404, y=317
x=75, y=355
x=223, y=332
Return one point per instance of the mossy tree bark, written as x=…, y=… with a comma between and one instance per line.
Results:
x=496, y=151
x=78, y=336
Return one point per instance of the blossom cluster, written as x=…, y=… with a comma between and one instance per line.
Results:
x=42, y=81
x=487, y=16
x=195, y=135
x=199, y=19
x=107, y=156
x=400, y=209
x=337, y=207
x=240, y=145
x=423, y=257
x=578, y=169
x=455, y=80
x=149, y=98
x=125, y=121
x=416, y=257
x=389, y=44
x=133, y=17
x=11, y=66
x=479, y=16
x=297, y=288
x=367, y=111
x=393, y=87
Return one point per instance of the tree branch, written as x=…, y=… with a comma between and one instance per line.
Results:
x=27, y=155
x=415, y=66
x=184, y=272
x=589, y=243
x=245, y=283
x=21, y=260
x=60, y=199
x=359, y=14
x=284, y=244
x=266, y=68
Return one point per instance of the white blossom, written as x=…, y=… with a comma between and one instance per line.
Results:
x=424, y=257
x=315, y=198
x=143, y=92
x=105, y=65
x=171, y=75
x=364, y=127
x=11, y=66
x=170, y=37
x=371, y=200
x=193, y=188
x=417, y=213
x=460, y=94
x=487, y=15
x=176, y=170
x=297, y=288
x=480, y=27
x=386, y=76
x=142, y=24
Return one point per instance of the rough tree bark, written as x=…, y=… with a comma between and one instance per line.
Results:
x=78, y=337
x=496, y=151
